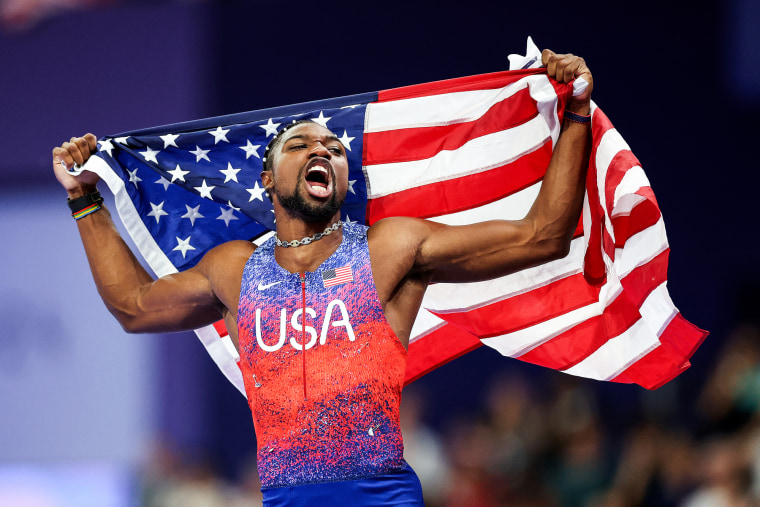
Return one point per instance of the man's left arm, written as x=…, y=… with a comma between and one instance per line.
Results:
x=490, y=249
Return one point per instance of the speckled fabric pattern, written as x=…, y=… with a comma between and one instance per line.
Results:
x=331, y=412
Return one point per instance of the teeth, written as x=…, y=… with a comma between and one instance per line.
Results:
x=318, y=168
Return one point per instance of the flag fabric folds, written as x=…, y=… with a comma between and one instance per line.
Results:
x=458, y=152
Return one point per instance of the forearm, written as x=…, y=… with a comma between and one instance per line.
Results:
x=556, y=211
x=116, y=272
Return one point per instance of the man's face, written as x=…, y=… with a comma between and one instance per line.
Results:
x=309, y=176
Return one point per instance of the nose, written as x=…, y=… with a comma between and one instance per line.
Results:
x=319, y=150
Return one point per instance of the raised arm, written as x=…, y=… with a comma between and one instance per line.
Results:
x=442, y=253
x=187, y=300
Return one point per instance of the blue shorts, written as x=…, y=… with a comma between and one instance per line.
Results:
x=401, y=488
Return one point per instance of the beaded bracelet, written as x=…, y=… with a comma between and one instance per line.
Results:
x=85, y=205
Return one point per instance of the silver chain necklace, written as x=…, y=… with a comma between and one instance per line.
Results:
x=305, y=241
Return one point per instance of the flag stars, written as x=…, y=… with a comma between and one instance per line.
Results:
x=351, y=186
x=230, y=174
x=346, y=140
x=270, y=128
x=227, y=215
x=183, y=245
x=229, y=203
x=200, y=154
x=107, y=146
x=192, y=214
x=251, y=150
x=205, y=190
x=256, y=192
x=133, y=177
x=150, y=155
x=321, y=119
x=121, y=140
x=157, y=211
x=178, y=174
x=219, y=134
x=163, y=181
x=169, y=140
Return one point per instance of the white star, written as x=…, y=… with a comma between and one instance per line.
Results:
x=150, y=155
x=121, y=140
x=133, y=177
x=169, y=139
x=348, y=220
x=321, y=119
x=351, y=106
x=346, y=140
x=105, y=145
x=230, y=173
x=204, y=190
x=157, y=211
x=183, y=245
x=178, y=174
x=256, y=192
x=270, y=128
x=227, y=215
x=251, y=149
x=199, y=153
x=219, y=134
x=351, y=186
x=163, y=181
x=192, y=214
x=229, y=203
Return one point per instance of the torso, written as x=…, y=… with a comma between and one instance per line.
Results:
x=339, y=420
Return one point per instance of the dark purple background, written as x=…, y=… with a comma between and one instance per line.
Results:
x=679, y=80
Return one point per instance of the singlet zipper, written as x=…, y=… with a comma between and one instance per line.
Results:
x=303, y=329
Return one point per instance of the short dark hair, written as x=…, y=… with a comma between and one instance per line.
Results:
x=269, y=150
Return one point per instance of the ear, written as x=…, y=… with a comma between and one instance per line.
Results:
x=267, y=178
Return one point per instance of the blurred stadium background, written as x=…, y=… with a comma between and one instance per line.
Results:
x=90, y=416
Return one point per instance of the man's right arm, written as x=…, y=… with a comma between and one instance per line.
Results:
x=176, y=302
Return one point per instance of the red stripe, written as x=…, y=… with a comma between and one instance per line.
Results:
x=593, y=263
x=619, y=166
x=437, y=348
x=679, y=341
x=574, y=345
x=402, y=145
x=221, y=328
x=643, y=215
x=465, y=192
x=462, y=84
x=528, y=309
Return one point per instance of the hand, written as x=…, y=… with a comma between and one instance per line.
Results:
x=565, y=68
x=77, y=151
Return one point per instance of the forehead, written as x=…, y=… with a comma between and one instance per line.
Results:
x=309, y=131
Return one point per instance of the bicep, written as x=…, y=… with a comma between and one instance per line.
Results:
x=481, y=251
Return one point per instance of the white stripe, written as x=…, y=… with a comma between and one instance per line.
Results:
x=511, y=207
x=641, y=248
x=633, y=180
x=446, y=108
x=223, y=352
x=424, y=324
x=620, y=352
x=475, y=156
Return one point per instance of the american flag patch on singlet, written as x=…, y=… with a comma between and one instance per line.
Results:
x=337, y=276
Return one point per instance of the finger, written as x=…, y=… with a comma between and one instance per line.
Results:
x=73, y=148
x=546, y=55
x=92, y=141
x=61, y=156
x=84, y=147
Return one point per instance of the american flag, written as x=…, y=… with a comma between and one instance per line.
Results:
x=457, y=151
x=337, y=276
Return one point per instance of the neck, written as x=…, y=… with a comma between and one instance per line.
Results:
x=306, y=257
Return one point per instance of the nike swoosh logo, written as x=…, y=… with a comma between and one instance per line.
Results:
x=265, y=287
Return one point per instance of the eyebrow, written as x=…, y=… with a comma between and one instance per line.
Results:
x=330, y=137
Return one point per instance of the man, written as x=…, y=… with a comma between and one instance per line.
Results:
x=321, y=314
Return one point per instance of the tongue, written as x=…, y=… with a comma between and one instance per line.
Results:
x=318, y=189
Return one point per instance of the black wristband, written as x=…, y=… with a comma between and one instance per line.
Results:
x=87, y=200
x=577, y=118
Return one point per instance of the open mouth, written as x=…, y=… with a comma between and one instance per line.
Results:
x=318, y=181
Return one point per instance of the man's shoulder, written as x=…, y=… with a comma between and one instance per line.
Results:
x=229, y=253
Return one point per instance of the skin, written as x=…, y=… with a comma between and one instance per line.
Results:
x=406, y=253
